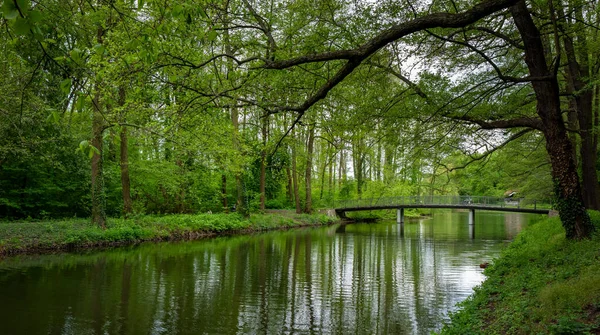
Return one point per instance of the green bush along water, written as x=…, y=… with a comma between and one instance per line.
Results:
x=18, y=237
x=542, y=283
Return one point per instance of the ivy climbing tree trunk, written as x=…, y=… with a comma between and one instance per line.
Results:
x=572, y=212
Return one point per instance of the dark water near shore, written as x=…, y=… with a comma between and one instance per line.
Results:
x=352, y=279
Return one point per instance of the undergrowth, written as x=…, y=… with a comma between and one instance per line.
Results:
x=17, y=237
x=542, y=283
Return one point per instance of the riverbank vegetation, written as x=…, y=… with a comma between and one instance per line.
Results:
x=124, y=108
x=388, y=214
x=69, y=234
x=542, y=283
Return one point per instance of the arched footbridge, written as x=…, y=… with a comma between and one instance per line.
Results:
x=472, y=203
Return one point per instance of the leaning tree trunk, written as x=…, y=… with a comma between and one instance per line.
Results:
x=572, y=212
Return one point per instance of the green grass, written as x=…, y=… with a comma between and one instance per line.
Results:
x=387, y=214
x=541, y=284
x=19, y=237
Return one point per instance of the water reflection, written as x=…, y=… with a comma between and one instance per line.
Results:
x=363, y=279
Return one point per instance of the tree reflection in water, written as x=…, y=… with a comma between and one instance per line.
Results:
x=362, y=279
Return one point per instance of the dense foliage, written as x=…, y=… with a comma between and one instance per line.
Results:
x=116, y=107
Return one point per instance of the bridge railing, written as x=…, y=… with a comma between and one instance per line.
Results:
x=449, y=200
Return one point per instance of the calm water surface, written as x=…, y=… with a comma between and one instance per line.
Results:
x=352, y=279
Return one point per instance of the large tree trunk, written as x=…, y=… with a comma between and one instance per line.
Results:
x=583, y=103
x=588, y=152
x=308, y=174
x=572, y=212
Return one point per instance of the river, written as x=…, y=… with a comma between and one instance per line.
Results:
x=341, y=279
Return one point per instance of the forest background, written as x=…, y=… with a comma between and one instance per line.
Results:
x=117, y=108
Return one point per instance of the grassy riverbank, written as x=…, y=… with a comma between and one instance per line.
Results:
x=47, y=236
x=388, y=214
x=541, y=284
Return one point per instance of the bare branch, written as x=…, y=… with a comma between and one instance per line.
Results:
x=489, y=152
x=398, y=75
x=491, y=62
x=524, y=122
x=500, y=35
x=265, y=28
x=186, y=63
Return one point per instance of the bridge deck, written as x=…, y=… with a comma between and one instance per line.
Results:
x=479, y=207
x=451, y=202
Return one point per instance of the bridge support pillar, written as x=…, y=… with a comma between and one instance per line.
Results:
x=341, y=214
x=471, y=217
x=400, y=216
